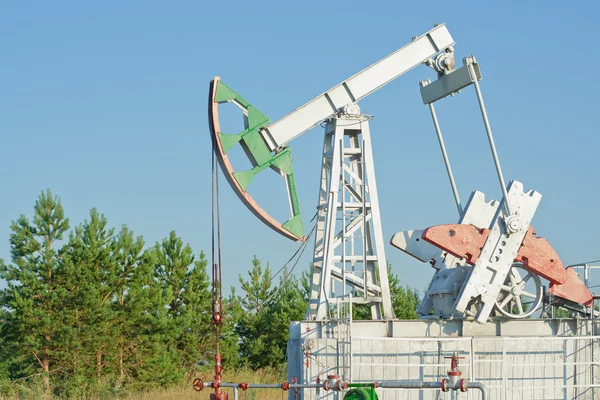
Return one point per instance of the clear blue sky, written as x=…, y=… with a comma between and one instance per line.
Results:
x=105, y=103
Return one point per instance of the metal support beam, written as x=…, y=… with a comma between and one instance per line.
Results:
x=470, y=62
x=360, y=85
x=349, y=248
x=438, y=131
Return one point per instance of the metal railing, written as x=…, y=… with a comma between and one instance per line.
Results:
x=511, y=367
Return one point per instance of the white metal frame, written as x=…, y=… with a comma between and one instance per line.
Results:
x=357, y=87
x=529, y=367
x=349, y=253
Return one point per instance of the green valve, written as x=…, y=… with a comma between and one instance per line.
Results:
x=361, y=394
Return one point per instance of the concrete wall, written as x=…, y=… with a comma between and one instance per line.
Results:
x=530, y=359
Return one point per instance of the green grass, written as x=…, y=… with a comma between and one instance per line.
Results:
x=184, y=391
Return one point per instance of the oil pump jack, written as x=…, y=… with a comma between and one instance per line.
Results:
x=482, y=264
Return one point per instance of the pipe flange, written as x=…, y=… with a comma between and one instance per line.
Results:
x=285, y=386
x=444, y=385
x=243, y=386
x=462, y=385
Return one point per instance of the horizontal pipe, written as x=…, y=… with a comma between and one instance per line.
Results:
x=266, y=385
x=433, y=385
x=279, y=386
x=482, y=388
x=409, y=385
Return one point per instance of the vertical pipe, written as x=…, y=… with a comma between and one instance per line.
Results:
x=504, y=372
x=488, y=130
x=586, y=275
x=364, y=214
x=343, y=244
x=350, y=336
x=472, y=359
x=438, y=132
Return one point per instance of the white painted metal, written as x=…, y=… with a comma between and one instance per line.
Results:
x=479, y=213
x=438, y=131
x=485, y=282
x=529, y=362
x=522, y=289
x=357, y=87
x=491, y=269
x=450, y=83
x=444, y=289
x=470, y=63
x=411, y=243
x=349, y=248
x=587, y=274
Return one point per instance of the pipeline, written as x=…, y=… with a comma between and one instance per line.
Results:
x=482, y=388
x=199, y=385
x=334, y=384
x=460, y=385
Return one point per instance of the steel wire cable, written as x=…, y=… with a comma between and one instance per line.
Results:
x=301, y=249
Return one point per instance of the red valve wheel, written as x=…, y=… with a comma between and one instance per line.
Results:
x=198, y=385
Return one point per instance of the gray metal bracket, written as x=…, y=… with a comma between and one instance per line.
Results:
x=491, y=269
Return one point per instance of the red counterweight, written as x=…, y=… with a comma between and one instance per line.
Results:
x=535, y=253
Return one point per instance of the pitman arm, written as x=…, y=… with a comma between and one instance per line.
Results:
x=357, y=87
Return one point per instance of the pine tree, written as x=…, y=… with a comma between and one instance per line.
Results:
x=185, y=289
x=263, y=328
x=98, y=271
x=133, y=298
x=258, y=287
x=249, y=327
x=34, y=296
x=197, y=340
x=405, y=300
x=229, y=336
x=288, y=304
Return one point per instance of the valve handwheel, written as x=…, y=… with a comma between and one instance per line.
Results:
x=198, y=385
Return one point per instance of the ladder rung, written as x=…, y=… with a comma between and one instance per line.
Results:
x=355, y=258
x=352, y=151
x=354, y=205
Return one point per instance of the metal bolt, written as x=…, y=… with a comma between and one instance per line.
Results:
x=513, y=224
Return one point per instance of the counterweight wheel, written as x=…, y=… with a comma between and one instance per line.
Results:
x=521, y=293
